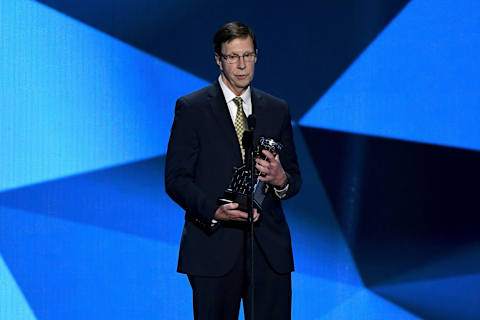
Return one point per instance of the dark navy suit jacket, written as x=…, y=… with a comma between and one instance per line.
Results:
x=203, y=150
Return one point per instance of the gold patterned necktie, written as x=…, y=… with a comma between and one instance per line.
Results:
x=240, y=123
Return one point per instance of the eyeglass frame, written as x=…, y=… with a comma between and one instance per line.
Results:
x=236, y=57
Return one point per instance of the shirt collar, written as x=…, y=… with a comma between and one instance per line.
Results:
x=229, y=95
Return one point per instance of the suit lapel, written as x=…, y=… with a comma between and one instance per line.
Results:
x=258, y=109
x=222, y=116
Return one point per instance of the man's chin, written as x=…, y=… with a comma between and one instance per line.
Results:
x=243, y=85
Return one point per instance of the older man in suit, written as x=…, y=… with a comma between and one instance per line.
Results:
x=204, y=148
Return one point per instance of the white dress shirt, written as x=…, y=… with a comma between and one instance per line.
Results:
x=229, y=96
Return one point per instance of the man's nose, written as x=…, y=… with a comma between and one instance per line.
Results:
x=241, y=62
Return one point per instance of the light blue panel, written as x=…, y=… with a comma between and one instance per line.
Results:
x=417, y=81
x=320, y=250
x=12, y=301
x=365, y=305
x=72, y=271
x=319, y=246
x=74, y=99
x=447, y=288
x=454, y=297
x=129, y=198
x=464, y=260
x=314, y=297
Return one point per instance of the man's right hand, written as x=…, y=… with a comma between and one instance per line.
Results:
x=229, y=212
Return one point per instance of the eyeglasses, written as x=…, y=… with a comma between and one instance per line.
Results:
x=233, y=58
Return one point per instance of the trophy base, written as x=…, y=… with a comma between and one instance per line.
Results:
x=243, y=200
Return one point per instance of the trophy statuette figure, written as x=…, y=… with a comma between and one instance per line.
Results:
x=240, y=188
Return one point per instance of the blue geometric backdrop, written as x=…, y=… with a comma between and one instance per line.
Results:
x=386, y=106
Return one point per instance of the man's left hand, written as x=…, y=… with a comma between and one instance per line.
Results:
x=271, y=169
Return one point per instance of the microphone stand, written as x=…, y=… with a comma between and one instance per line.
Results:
x=252, y=283
x=248, y=138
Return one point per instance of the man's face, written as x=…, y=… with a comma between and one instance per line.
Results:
x=238, y=75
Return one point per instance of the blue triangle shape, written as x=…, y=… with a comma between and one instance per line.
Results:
x=75, y=99
x=14, y=305
x=418, y=81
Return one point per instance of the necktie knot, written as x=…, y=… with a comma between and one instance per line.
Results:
x=240, y=123
x=238, y=101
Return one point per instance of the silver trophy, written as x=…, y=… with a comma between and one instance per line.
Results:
x=240, y=188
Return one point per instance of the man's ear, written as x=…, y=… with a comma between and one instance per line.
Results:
x=218, y=60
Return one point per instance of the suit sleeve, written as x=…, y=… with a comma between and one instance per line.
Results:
x=288, y=157
x=181, y=160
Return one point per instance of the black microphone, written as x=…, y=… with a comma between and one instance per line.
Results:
x=247, y=139
x=252, y=122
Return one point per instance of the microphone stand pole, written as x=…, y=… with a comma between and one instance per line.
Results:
x=250, y=213
x=248, y=141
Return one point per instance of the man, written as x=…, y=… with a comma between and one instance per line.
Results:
x=203, y=150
